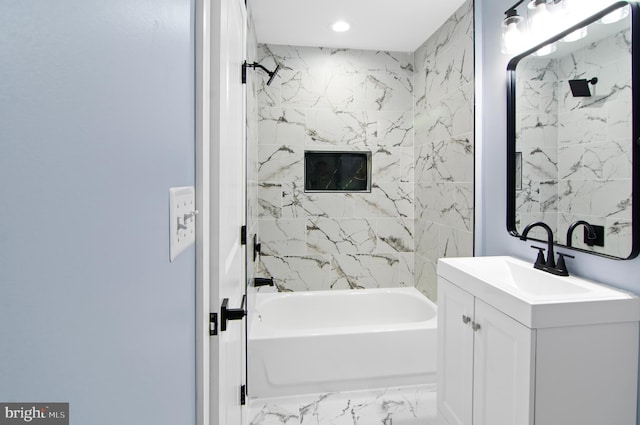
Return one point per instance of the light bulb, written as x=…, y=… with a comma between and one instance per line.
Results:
x=616, y=15
x=512, y=38
x=546, y=50
x=542, y=23
x=576, y=35
x=574, y=11
x=340, y=26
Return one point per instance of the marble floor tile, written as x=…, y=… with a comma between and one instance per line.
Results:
x=414, y=405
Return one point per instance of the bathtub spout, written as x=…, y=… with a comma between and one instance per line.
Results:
x=263, y=281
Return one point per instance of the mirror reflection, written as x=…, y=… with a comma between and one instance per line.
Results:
x=573, y=141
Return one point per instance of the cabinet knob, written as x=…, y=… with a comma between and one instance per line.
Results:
x=465, y=319
x=475, y=326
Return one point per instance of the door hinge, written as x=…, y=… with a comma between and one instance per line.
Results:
x=243, y=395
x=243, y=235
x=245, y=65
x=213, y=324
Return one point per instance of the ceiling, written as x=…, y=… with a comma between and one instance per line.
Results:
x=392, y=25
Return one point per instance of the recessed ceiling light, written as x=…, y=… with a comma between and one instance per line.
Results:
x=340, y=26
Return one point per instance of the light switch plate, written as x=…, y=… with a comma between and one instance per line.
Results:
x=182, y=219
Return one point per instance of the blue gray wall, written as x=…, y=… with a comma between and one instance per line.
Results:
x=96, y=123
x=491, y=234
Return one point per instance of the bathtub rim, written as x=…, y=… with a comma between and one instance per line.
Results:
x=259, y=332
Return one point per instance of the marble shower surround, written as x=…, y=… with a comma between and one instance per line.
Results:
x=414, y=112
x=336, y=100
x=444, y=147
x=577, y=151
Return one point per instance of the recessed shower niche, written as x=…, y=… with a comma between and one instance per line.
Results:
x=331, y=171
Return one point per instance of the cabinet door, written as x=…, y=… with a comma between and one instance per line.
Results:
x=503, y=369
x=455, y=353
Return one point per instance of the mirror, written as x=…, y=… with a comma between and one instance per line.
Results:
x=570, y=133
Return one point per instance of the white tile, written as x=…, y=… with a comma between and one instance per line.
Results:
x=280, y=163
x=298, y=204
x=282, y=236
x=394, y=235
x=282, y=126
x=341, y=236
x=356, y=271
x=297, y=273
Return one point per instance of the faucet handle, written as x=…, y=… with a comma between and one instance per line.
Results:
x=562, y=267
x=540, y=261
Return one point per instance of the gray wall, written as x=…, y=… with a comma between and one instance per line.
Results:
x=96, y=123
x=491, y=235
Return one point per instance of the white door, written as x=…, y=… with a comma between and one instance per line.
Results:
x=455, y=353
x=231, y=187
x=223, y=25
x=503, y=369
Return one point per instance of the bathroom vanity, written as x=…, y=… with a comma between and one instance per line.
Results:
x=520, y=346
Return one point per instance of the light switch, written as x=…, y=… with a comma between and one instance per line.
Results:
x=182, y=219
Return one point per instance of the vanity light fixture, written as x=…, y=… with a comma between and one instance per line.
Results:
x=545, y=18
x=340, y=26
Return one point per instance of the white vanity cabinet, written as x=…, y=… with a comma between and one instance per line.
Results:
x=553, y=369
x=485, y=359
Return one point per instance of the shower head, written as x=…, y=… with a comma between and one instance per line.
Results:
x=580, y=88
x=272, y=75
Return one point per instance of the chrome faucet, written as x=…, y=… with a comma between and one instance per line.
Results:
x=591, y=232
x=549, y=264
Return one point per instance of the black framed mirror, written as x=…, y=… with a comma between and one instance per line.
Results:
x=573, y=142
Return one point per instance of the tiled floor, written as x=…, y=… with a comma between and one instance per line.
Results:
x=414, y=405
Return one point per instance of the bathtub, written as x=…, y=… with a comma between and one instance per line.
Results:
x=330, y=341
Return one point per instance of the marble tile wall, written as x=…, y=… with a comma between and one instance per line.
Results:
x=344, y=100
x=444, y=147
x=577, y=151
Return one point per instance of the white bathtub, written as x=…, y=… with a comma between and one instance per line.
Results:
x=329, y=341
